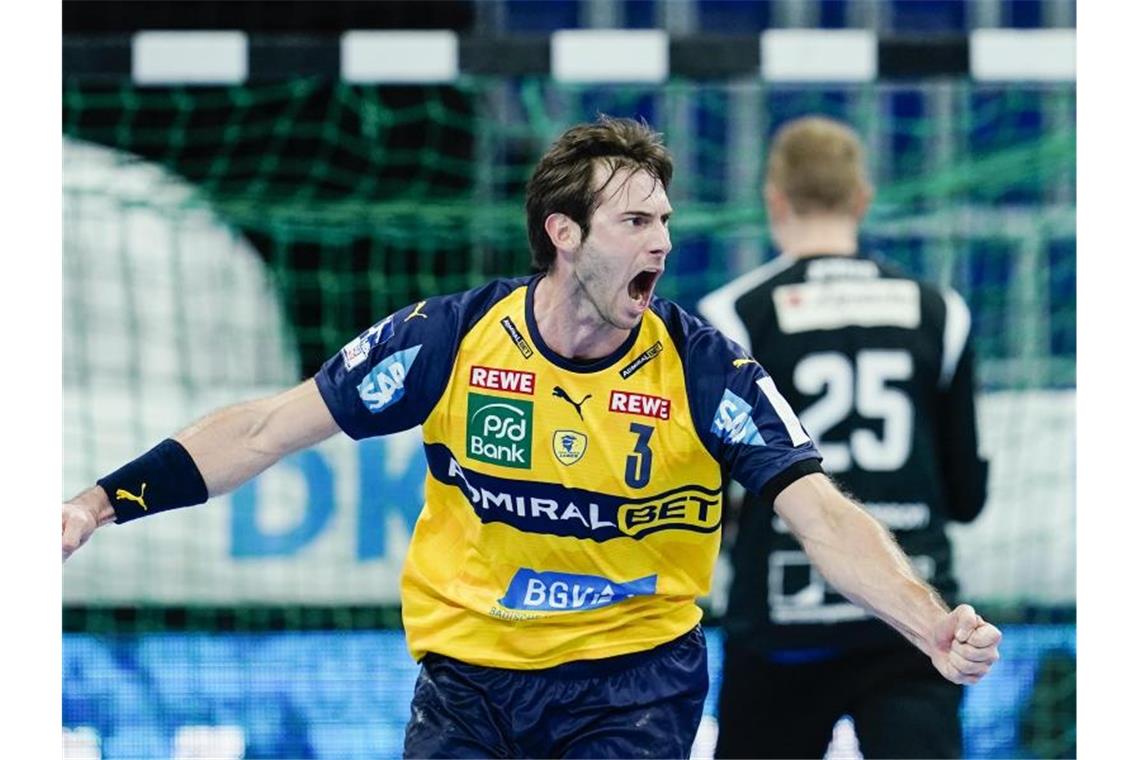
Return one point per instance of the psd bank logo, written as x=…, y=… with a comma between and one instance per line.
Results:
x=499, y=430
x=384, y=385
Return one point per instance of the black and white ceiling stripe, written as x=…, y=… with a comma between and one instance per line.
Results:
x=579, y=55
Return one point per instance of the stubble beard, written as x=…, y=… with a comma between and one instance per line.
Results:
x=594, y=276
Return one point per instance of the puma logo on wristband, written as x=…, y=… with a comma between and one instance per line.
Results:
x=123, y=493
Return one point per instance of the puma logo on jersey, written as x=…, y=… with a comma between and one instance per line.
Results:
x=416, y=312
x=123, y=493
x=558, y=392
x=738, y=363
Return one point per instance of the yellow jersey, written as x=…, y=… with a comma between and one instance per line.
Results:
x=572, y=510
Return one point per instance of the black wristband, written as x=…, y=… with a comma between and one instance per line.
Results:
x=163, y=478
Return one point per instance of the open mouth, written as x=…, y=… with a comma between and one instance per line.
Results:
x=641, y=286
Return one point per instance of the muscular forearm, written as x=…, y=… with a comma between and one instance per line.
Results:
x=226, y=447
x=236, y=443
x=864, y=563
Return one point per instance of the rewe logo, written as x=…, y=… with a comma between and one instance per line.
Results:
x=499, y=430
x=639, y=403
x=515, y=381
x=384, y=385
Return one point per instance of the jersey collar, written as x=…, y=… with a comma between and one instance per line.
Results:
x=561, y=361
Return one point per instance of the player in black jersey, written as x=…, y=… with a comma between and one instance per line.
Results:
x=879, y=369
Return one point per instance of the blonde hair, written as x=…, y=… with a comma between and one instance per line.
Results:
x=817, y=163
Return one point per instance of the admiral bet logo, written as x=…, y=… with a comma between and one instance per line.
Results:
x=499, y=430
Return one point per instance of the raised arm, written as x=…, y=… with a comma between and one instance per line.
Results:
x=862, y=561
x=226, y=448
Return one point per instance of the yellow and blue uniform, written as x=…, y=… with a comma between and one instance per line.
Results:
x=572, y=510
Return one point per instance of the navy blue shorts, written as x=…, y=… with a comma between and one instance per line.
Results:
x=645, y=704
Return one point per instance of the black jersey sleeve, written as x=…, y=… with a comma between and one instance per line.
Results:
x=738, y=412
x=965, y=473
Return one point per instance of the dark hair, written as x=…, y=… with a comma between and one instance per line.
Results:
x=563, y=179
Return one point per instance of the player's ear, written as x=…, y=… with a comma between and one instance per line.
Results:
x=564, y=232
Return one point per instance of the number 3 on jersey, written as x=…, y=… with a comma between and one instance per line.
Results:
x=861, y=388
x=639, y=463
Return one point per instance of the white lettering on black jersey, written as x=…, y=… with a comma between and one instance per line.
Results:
x=878, y=368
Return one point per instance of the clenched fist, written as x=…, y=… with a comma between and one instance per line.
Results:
x=965, y=646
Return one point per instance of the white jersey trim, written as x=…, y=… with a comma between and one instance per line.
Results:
x=719, y=306
x=954, y=335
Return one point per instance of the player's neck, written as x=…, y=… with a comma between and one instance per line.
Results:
x=818, y=235
x=569, y=324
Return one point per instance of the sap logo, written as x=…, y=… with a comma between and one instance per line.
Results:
x=499, y=430
x=511, y=380
x=690, y=508
x=384, y=385
x=640, y=403
x=570, y=592
x=357, y=350
x=733, y=421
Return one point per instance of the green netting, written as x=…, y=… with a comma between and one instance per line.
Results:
x=222, y=242
x=374, y=197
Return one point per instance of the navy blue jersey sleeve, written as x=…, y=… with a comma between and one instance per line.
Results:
x=740, y=415
x=388, y=378
x=391, y=376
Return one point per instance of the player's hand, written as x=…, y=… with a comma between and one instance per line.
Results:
x=80, y=520
x=965, y=646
